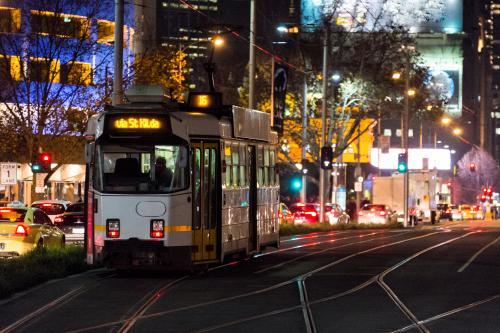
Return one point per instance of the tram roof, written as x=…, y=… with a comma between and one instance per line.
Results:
x=228, y=121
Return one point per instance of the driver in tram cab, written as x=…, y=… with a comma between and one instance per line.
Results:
x=163, y=174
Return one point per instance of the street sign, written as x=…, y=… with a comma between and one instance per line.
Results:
x=384, y=143
x=40, y=182
x=8, y=173
x=358, y=187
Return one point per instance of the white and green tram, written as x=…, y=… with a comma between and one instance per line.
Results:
x=219, y=195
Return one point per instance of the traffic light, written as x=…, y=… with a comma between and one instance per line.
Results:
x=41, y=163
x=472, y=167
x=483, y=198
x=296, y=183
x=403, y=163
x=326, y=157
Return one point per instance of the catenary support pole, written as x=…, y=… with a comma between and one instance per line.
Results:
x=323, y=119
x=251, y=61
x=118, y=53
x=303, y=192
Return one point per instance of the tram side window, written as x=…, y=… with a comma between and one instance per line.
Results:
x=272, y=170
x=260, y=167
x=266, y=166
x=227, y=157
x=197, y=189
x=236, y=161
x=243, y=166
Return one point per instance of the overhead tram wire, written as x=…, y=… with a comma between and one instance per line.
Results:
x=238, y=35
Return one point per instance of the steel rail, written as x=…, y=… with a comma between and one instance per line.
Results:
x=448, y=313
x=50, y=306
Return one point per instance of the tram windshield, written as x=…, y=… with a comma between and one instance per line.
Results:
x=142, y=168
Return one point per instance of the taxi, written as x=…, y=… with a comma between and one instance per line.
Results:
x=24, y=229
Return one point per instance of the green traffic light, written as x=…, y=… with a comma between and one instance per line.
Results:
x=402, y=168
x=35, y=167
x=297, y=184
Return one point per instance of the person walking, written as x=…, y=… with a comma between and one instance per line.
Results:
x=352, y=209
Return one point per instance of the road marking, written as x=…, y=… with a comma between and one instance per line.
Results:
x=464, y=267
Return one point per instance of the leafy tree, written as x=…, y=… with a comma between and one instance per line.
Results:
x=161, y=66
x=49, y=87
x=486, y=173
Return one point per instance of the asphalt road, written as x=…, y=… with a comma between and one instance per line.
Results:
x=442, y=278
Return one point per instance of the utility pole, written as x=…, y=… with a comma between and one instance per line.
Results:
x=303, y=192
x=323, y=119
x=404, y=135
x=251, y=61
x=118, y=54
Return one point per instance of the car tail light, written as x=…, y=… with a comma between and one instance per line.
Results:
x=59, y=219
x=113, y=228
x=382, y=213
x=46, y=205
x=280, y=215
x=21, y=230
x=360, y=213
x=157, y=229
x=311, y=213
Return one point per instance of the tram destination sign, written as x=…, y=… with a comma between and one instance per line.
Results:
x=127, y=124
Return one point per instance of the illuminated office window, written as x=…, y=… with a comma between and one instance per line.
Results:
x=77, y=73
x=10, y=19
x=63, y=25
x=43, y=70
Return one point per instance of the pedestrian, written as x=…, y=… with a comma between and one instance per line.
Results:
x=163, y=174
x=351, y=209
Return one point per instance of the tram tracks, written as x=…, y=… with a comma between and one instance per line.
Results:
x=35, y=315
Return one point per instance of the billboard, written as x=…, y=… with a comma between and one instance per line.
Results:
x=416, y=15
x=418, y=159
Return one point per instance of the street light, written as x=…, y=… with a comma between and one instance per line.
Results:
x=282, y=29
x=457, y=131
x=218, y=41
x=336, y=77
x=445, y=121
x=411, y=92
x=396, y=75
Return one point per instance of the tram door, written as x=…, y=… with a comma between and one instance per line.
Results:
x=252, y=201
x=204, y=201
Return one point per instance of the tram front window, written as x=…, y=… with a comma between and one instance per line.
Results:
x=142, y=168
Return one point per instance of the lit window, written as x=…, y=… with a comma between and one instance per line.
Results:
x=497, y=131
x=398, y=132
x=77, y=73
x=10, y=19
x=410, y=133
x=10, y=68
x=387, y=132
x=105, y=32
x=64, y=25
x=44, y=70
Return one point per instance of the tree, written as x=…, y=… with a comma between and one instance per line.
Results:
x=486, y=173
x=53, y=75
x=161, y=66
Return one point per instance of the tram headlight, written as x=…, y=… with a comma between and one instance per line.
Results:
x=113, y=228
x=157, y=228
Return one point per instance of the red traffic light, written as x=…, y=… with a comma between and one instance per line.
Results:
x=46, y=158
x=472, y=167
x=449, y=184
x=483, y=198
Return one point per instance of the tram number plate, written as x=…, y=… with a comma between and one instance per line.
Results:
x=78, y=230
x=2, y=246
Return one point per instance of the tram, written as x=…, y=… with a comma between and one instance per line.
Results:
x=179, y=185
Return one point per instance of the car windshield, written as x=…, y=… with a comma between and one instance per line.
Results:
x=374, y=207
x=12, y=215
x=302, y=208
x=75, y=208
x=50, y=208
x=142, y=168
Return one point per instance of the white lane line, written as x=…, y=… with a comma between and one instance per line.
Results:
x=448, y=313
x=464, y=267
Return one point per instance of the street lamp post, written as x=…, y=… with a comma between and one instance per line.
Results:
x=405, y=128
x=323, y=120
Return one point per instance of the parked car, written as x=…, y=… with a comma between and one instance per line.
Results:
x=472, y=212
x=23, y=229
x=52, y=208
x=305, y=213
x=335, y=214
x=376, y=214
x=285, y=216
x=72, y=223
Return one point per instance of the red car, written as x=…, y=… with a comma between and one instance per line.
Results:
x=304, y=213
